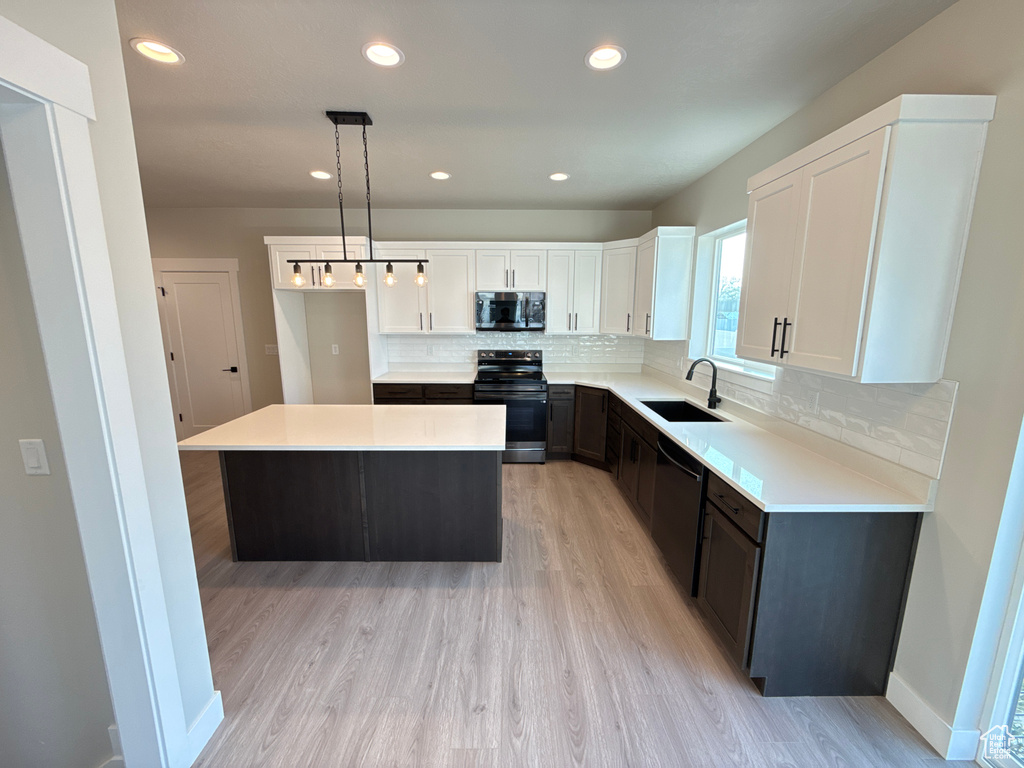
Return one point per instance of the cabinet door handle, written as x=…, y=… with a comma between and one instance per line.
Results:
x=431, y=317
x=570, y=321
x=513, y=278
x=577, y=325
x=647, y=326
x=782, y=346
x=775, y=331
x=506, y=278
x=628, y=316
x=421, y=321
x=319, y=276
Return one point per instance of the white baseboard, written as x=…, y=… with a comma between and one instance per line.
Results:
x=203, y=728
x=115, y=762
x=949, y=743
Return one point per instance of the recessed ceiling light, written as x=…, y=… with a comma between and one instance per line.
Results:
x=558, y=176
x=440, y=175
x=383, y=54
x=320, y=174
x=151, y=49
x=605, y=57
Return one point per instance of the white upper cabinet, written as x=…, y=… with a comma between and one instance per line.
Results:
x=618, y=279
x=528, y=270
x=451, y=276
x=493, y=270
x=664, y=265
x=855, y=244
x=402, y=308
x=573, y=291
x=314, y=257
x=511, y=270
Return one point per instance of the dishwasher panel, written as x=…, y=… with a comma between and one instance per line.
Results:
x=678, y=517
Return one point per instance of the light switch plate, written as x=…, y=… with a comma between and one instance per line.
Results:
x=33, y=454
x=334, y=349
x=270, y=349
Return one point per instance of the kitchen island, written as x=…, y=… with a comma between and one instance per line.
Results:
x=362, y=482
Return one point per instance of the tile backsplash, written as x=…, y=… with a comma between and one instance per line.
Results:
x=906, y=424
x=609, y=352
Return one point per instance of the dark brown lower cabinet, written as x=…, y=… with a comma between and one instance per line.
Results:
x=730, y=566
x=561, y=421
x=591, y=417
x=638, y=461
x=423, y=394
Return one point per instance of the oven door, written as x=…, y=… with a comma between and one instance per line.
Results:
x=525, y=423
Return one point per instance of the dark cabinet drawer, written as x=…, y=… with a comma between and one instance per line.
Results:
x=736, y=507
x=614, y=404
x=561, y=391
x=448, y=391
x=643, y=428
x=397, y=391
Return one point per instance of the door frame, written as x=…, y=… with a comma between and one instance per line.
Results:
x=46, y=108
x=230, y=267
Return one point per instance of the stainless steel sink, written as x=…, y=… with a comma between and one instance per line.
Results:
x=679, y=410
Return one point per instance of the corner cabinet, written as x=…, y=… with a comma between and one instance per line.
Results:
x=573, y=292
x=618, y=279
x=661, y=302
x=855, y=243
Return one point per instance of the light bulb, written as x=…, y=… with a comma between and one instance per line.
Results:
x=421, y=277
x=328, y=280
x=389, y=276
x=297, y=279
x=359, y=279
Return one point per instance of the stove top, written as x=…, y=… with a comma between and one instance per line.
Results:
x=509, y=366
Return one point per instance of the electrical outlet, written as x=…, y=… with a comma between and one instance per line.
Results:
x=270, y=349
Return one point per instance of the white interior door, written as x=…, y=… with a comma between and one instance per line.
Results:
x=828, y=298
x=207, y=376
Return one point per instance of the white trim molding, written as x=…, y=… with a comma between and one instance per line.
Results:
x=45, y=108
x=951, y=744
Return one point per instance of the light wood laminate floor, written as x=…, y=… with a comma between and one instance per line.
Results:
x=577, y=649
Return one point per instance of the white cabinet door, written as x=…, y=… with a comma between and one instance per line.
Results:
x=343, y=271
x=401, y=308
x=529, y=270
x=618, y=275
x=558, y=309
x=451, y=278
x=643, y=301
x=586, y=292
x=492, y=270
x=282, y=271
x=773, y=215
x=840, y=197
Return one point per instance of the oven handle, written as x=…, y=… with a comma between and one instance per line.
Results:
x=539, y=397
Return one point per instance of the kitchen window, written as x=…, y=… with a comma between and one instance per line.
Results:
x=720, y=257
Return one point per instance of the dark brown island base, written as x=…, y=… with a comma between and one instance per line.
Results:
x=392, y=483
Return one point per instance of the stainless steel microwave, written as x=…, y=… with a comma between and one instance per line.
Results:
x=510, y=311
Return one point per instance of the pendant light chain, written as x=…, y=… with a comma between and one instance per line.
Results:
x=341, y=196
x=366, y=166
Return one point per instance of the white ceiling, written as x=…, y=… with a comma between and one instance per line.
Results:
x=493, y=91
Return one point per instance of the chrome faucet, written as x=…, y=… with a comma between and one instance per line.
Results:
x=713, y=398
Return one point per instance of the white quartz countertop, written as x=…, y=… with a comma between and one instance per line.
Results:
x=358, y=428
x=776, y=474
x=427, y=377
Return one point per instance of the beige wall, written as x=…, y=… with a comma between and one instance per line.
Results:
x=88, y=30
x=238, y=233
x=973, y=47
x=54, y=702
x=338, y=318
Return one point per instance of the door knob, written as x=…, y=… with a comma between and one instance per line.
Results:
x=232, y=369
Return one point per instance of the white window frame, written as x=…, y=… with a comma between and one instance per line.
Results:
x=705, y=306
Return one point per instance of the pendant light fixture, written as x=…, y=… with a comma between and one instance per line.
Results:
x=359, y=278
x=328, y=278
